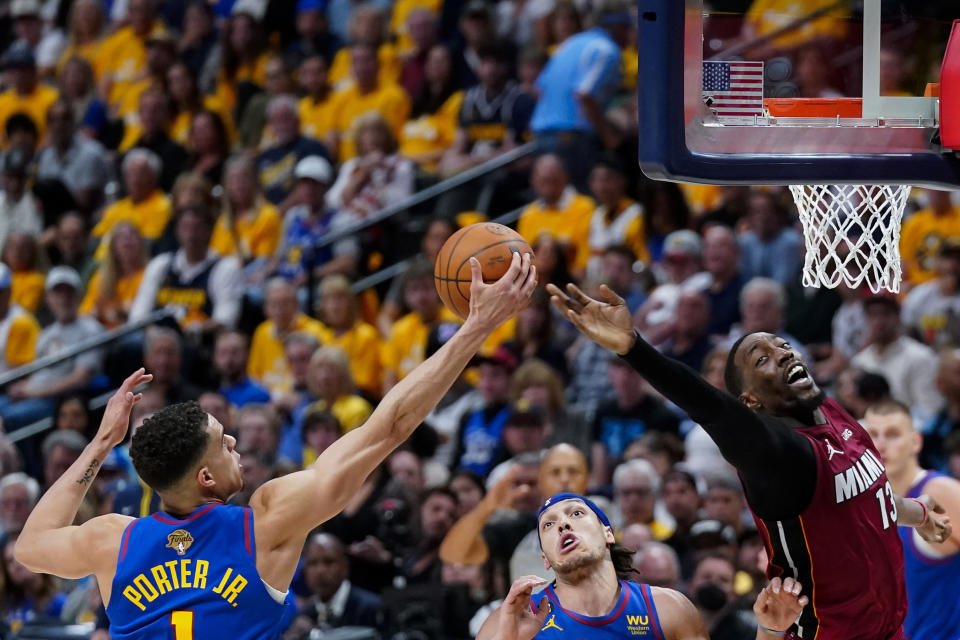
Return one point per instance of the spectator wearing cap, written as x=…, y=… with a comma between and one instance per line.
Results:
x=494, y=116
x=367, y=27
x=763, y=303
x=248, y=226
x=619, y=422
x=559, y=211
x=30, y=399
x=204, y=287
x=525, y=431
x=769, y=248
x=480, y=436
x=682, y=251
x=924, y=232
x=721, y=259
x=569, y=117
x=22, y=254
x=931, y=310
x=122, y=57
x=689, y=341
x=276, y=163
x=377, y=176
x=368, y=92
x=75, y=160
x=305, y=225
x=18, y=327
x=316, y=105
x=19, y=211
x=314, y=38
x=25, y=94
x=343, y=327
x=618, y=219
x=267, y=363
x=908, y=365
x=146, y=206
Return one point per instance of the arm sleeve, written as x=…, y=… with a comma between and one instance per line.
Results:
x=776, y=463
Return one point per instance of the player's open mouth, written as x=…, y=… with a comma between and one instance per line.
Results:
x=798, y=376
x=567, y=542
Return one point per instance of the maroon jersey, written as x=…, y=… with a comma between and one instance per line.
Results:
x=844, y=549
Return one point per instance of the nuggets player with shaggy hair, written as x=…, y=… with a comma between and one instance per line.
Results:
x=201, y=568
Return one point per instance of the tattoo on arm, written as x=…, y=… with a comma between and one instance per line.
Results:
x=89, y=474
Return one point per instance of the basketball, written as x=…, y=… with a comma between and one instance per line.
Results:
x=491, y=243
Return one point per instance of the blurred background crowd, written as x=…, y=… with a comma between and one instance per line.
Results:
x=231, y=159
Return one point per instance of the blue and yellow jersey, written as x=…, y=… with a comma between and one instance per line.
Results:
x=192, y=578
x=634, y=616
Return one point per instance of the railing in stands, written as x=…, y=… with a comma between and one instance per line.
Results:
x=399, y=268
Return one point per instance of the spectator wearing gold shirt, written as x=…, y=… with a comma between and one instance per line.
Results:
x=25, y=94
x=342, y=327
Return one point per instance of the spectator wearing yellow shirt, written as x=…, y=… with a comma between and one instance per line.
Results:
x=145, y=206
x=320, y=429
x=367, y=93
x=243, y=57
x=26, y=95
x=436, y=108
x=84, y=32
x=331, y=388
x=248, y=226
x=558, y=211
x=617, y=220
x=22, y=253
x=18, y=328
x=161, y=54
x=268, y=358
x=924, y=232
x=344, y=328
x=122, y=57
x=405, y=346
x=316, y=106
x=114, y=284
x=187, y=103
x=367, y=28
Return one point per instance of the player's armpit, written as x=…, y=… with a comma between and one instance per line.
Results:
x=679, y=619
x=76, y=551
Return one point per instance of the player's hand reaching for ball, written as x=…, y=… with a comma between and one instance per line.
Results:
x=116, y=417
x=607, y=322
x=493, y=304
x=936, y=528
x=518, y=621
x=778, y=605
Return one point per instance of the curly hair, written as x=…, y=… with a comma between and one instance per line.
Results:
x=169, y=444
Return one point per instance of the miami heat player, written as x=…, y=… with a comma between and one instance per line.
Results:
x=812, y=477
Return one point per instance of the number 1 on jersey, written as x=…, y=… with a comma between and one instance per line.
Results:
x=883, y=506
x=182, y=623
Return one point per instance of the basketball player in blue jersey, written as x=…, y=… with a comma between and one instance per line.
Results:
x=932, y=569
x=592, y=600
x=205, y=569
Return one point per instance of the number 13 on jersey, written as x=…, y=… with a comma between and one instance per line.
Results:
x=884, y=495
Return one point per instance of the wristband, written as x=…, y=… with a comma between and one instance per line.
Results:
x=925, y=512
x=771, y=631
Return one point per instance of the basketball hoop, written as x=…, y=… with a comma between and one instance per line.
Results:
x=852, y=234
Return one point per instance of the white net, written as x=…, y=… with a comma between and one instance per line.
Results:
x=852, y=234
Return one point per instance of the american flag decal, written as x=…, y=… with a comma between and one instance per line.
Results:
x=733, y=88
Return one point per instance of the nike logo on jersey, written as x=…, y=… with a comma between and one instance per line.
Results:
x=858, y=477
x=552, y=624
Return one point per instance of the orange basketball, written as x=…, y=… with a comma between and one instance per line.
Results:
x=491, y=243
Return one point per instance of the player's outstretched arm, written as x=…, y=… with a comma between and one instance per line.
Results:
x=287, y=508
x=49, y=543
x=515, y=619
x=925, y=515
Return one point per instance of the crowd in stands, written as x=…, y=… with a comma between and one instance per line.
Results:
x=206, y=156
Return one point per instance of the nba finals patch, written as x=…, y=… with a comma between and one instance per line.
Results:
x=180, y=540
